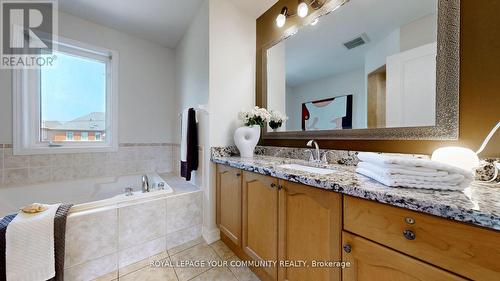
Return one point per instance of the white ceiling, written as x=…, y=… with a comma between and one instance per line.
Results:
x=160, y=21
x=317, y=51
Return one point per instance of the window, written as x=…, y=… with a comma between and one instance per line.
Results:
x=85, y=136
x=56, y=108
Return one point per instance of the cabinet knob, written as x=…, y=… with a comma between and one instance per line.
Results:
x=408, y=234
x=410, y=220
x=238, y=174
x=273, y=185
x=347, y=248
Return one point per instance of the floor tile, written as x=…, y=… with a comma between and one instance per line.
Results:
x=185, y=246
x=151, y=274
x=242, y=273
x=200, y=252
x=216, y=274
x=222, y=250
x=141, y=264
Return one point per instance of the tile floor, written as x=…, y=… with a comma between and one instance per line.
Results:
x=193, y=251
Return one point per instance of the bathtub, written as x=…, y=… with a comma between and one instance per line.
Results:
x=84, y=194
x=108, y=233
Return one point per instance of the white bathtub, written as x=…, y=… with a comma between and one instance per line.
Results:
x=84, y=194
x=107, y=232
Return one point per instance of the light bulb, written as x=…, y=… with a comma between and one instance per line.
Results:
x=314, y=22
x=457, y=156
x=302, y=10
x=280, y=20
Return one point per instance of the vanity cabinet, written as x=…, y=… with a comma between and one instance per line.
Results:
x=262, y=218
x=229, y=202
x=310, y=223
x=471, y=252
x=371, y=261
x=260, y=221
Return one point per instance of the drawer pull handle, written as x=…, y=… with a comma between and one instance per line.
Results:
x=410, y=220
x=347, y=248
x=408, y=234
x=238, y=174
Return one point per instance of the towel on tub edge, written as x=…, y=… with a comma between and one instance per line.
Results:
x=32, y=246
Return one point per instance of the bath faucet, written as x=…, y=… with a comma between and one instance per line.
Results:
x=315, y=156
x=145, y=184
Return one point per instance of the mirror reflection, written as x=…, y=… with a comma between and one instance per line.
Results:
x=369, y=64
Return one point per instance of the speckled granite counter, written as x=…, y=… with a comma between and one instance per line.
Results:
x=478, y=205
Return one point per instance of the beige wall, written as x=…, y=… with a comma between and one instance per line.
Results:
x=479, y=81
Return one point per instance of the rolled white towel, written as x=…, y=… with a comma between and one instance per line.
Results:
x=392, y=169
x=403, y=174
x=382, y=159
x=391, y=182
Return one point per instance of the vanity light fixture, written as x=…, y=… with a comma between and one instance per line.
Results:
x=281, y=18
x=302, y=9
x=464, y=157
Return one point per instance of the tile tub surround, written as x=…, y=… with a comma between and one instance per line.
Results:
x=477, y=205
x=130, y=159
x=104, y=243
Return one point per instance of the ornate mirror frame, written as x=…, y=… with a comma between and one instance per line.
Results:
x=447, y=88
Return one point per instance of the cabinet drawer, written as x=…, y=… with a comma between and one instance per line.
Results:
x=466, y=250
x=370, y=261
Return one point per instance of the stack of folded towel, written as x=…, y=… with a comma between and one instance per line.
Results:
x=413, y=172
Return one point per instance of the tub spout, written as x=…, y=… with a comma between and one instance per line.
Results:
x=145, y=184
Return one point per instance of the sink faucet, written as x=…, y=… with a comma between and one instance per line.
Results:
x=145, y=184
x=315, y=156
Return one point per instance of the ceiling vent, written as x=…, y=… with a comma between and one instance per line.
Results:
x=356, y=42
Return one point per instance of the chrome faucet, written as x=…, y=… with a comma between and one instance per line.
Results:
x=145, y=184
x=315, y=157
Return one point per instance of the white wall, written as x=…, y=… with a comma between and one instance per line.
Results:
x=192, y=62
x=146, y=83
x=192, y=80
x=276, y=82
x=346, y=83
x=231, y=87
x=232, y=68
x=420, y=32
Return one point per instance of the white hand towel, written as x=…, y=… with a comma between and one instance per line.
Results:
x=29, y=246
x=184, y=132
x=388, y=181
x=402, y=174
x=381, y=159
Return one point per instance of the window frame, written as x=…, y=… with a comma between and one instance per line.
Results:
x=26, y=105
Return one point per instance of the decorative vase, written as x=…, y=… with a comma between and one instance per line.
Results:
x=246, y=139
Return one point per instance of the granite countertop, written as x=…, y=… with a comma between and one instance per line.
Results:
x=478, y=204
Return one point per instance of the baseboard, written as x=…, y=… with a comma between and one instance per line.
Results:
x=210, y=235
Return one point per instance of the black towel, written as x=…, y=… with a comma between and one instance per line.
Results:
x=191, y=163
x=59, y=242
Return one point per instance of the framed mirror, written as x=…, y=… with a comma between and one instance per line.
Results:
x=367, y=69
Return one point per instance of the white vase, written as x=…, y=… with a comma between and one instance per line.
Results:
x=246, y=139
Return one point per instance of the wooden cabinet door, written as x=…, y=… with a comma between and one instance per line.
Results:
x=370, y=261
x=309, y=230
x=229, y=202
x=260, y=221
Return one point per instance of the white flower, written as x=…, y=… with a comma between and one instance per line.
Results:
x=277, y=116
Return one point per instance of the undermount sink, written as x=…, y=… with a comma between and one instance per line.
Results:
x=307, y=169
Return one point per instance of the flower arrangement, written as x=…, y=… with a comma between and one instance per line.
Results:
x=257, y=116
x=277, y=119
